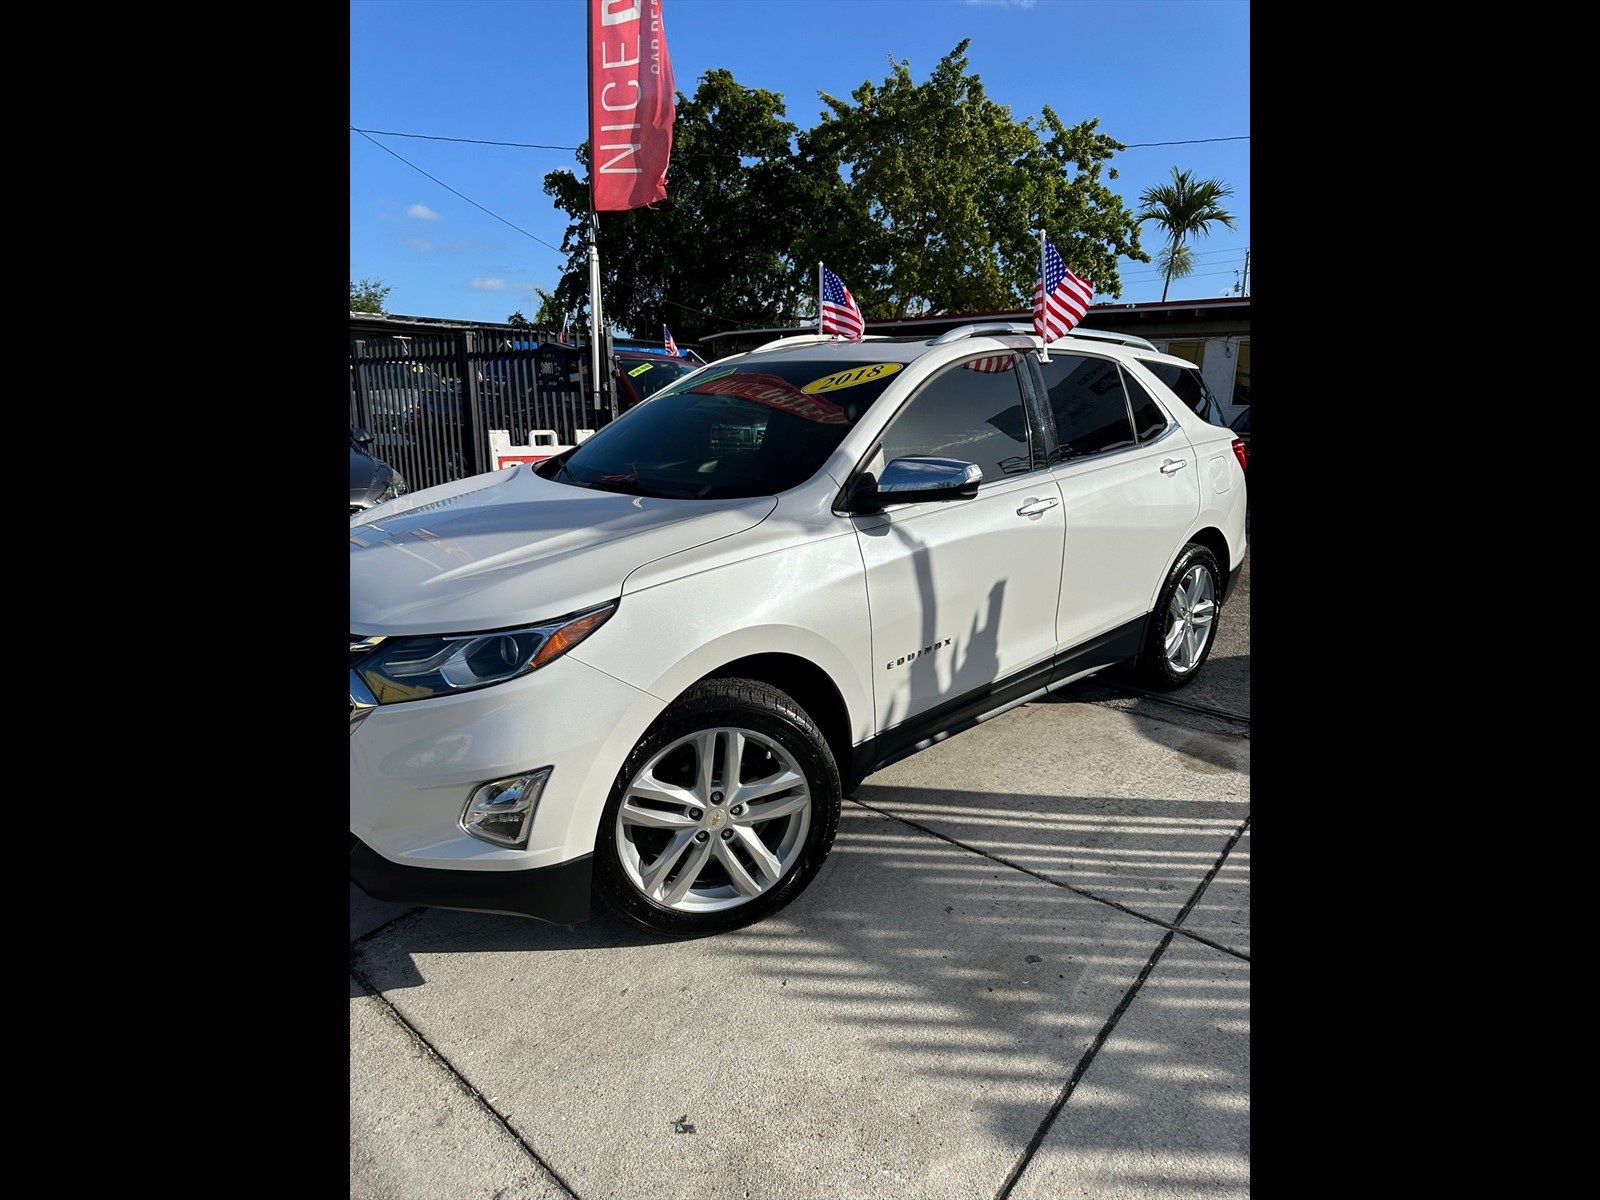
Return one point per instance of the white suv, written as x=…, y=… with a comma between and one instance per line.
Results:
x=650, y=668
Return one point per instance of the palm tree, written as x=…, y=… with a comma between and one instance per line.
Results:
x=1183, y=208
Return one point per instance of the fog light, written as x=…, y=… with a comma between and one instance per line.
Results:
x=502, y=811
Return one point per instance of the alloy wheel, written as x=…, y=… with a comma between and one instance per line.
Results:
x=713, y=820
x=1189, y=619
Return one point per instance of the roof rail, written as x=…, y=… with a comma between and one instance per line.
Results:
x=810, y=339
x=991, y=327
x=1122, y=339
x=966, y=331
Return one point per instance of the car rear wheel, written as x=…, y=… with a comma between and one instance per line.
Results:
x=722, y=813
x=1183, y=626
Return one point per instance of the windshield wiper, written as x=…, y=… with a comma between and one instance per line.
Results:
x=621, y=485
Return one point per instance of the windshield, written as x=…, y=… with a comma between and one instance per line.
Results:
x=753, y=428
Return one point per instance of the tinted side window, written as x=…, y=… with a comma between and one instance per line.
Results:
x=973, y=413
x=1148, y=419
x=1188, y=387
x=1087, y=400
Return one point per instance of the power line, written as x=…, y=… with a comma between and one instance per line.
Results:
x=1245, y=137
x=453, y=191
x=433, y=137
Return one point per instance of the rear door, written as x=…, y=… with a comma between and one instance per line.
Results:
x=1129, y=487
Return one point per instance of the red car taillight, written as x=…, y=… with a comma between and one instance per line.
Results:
x=1242, y=453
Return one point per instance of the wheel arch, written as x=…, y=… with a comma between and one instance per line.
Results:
x=1215, y=541
x=812, y=688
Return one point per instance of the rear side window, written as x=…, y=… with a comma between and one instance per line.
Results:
x=1187, y=385
x=1087, y=401
x=972, y=413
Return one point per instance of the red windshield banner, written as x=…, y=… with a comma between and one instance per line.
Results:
x=774, y=393
x=632, y=104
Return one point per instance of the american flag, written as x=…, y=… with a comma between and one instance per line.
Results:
x=839, y=312
x=993, y=362
x=1060, y=298
x=672, y=346
x=565, y=321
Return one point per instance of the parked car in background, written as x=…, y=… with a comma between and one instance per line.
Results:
x=372, y=481
x=417, y=418
x=652, y=666
x=643, y=373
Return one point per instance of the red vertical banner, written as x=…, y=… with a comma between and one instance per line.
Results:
x=632, y=104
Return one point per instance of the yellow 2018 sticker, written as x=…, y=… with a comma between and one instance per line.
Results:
x=640, y=369
x=855, y=375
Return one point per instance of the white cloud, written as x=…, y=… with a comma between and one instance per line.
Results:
x=418, y=243
x=422, y=213
x=492, y=285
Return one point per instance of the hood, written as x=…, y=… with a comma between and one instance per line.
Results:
x=368, y=477
x=509, y=548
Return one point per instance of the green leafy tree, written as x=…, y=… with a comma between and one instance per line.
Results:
x=545, y=316
x=958, y=190
x=1183, y=209
x=924, y=198
x=368, y=295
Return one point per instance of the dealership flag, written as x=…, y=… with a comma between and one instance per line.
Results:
x=666, y=336
x=632, y=104
x=1060, y=298
x=836, y=307
x=565, y=322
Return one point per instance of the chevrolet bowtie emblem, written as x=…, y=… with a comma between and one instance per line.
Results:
x=716, y=819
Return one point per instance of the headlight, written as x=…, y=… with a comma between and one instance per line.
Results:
x=414, y=668
x=396, y=487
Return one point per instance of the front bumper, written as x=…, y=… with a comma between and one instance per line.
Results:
x=413, y=766
x=558, y=894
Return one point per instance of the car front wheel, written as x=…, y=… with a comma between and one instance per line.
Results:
x=1184, y=623
x=721, y=814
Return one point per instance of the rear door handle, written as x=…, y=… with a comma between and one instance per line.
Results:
x=1033, y=507
x=1173, y=465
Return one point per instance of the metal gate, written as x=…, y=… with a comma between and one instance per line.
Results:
x=430, y=399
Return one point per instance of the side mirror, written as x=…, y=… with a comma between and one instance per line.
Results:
x=913, y=480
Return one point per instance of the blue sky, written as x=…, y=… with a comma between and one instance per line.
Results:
x=463, y=230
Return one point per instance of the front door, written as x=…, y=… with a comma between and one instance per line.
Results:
x=962, y=592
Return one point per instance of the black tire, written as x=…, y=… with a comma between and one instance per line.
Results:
x=779, y=741
x=1170, y=658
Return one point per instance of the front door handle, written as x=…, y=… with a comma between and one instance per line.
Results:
x=1173, y=465
x=1033, y=507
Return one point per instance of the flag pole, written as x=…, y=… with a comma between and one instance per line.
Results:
x=819, y=297
x=1044, y=342
x=599, y=383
